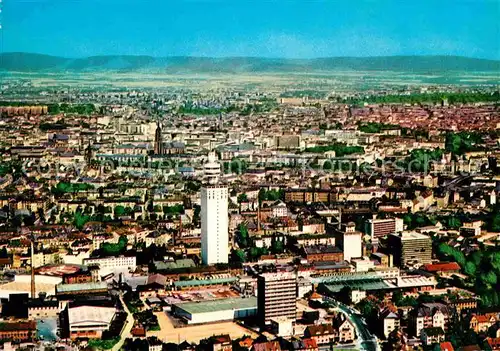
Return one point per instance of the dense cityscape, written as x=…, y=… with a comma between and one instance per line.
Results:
x=252, y=220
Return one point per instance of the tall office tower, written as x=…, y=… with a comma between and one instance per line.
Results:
x=377, y=228
x=158, y=140
x=349, y=240
x=276, y=296
x=410, y=249
x=214, y=216
x=214, y=224
x=211, y=169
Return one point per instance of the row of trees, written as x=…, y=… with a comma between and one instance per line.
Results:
x=236, y=165
x=460, y=143
x=420, y=160
x=482, y=267
x=112, y=249
x=65, y=187
x=192, y=109
x=271, y=195
x=81, y=109
x=248, y=251
x=432, y=98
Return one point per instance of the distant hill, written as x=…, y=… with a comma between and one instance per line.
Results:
x=27, y=62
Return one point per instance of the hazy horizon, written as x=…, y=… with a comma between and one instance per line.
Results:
x=287, y=29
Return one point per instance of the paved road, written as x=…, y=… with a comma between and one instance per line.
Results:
x=128, y=327
x=367, y=341
x=195, y=333
x=353, y=347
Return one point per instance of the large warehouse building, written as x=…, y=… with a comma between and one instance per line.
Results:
x=216, y=310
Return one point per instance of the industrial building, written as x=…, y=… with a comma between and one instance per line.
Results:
x=22, y=284
x=216, y=310
x=89, y=321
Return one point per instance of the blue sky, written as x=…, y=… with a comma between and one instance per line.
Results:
x=280, y=28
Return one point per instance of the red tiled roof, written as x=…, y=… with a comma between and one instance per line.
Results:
x=494, y=343
x=267, y=346
x=440, y=267
x=247, y=342
x=138, y=331
x=446, y=346
x=321, y=329
x=482, y=318
x=310, y=343
x=221, y=339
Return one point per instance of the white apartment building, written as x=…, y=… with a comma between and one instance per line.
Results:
x=351, y=242
x=112, y=263
x=214, y=224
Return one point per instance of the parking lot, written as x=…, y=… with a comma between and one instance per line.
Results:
x=169, y=333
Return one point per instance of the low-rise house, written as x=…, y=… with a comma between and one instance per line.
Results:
x=40, y=309
x=482, y=322
x=390, y=321
x=322, y=333
x=430, y=315
x=323, y=253
x=221, y=343
x=345, y=328
x=18, y=331
x=304, y=345
x=432, y=335
x=246, y=343
x=154, y=344
x=267, y=346
x=493, y=343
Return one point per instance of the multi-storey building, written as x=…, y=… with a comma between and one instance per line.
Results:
x=18, y=331
x=112, y=263
x=410, y=249
x=429, y=315
x=323, y=333
x=390, y=321
x=310, y=195
x=214, y=224
x=471, y=229
x=320, y=253
x=349, y=240
x=276, y=296
x=377, y=228
x=482, y=322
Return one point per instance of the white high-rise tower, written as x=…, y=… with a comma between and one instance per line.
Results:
x=214, y=216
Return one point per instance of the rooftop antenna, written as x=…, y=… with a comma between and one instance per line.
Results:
x=33, y=290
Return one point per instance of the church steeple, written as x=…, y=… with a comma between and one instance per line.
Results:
x=89, y=154
x=158, y=140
